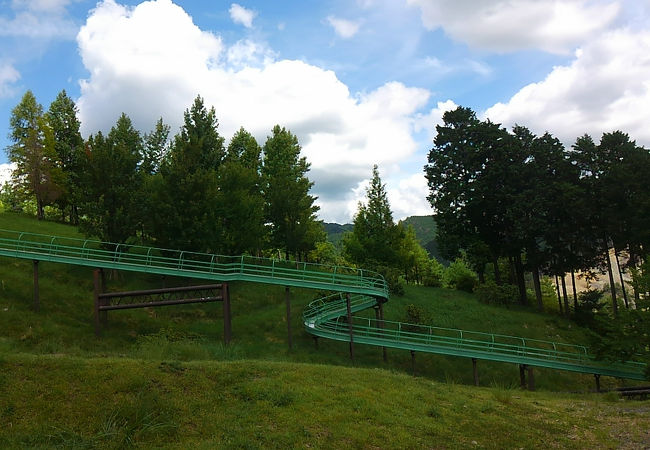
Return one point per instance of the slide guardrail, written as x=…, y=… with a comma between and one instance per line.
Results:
x=323, y=317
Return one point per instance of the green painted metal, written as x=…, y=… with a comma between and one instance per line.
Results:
x=188, y=264
x=323, y=317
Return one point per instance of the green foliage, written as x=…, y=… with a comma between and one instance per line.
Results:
x=111, y=200
x=69, y=146
x=155, y=148
x=289, y=208
x=184, y=193
x=433, y=273
x=417, y=315
x=459, y=276
x=33, y=151
x=494, y=294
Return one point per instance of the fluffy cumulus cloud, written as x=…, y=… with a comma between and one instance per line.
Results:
x=605, y=88
x=556, y=26
x=138, y=67
x=241, y=15
x=343, y=27
x=5, y=172
x=8, y=76
x=42, y=19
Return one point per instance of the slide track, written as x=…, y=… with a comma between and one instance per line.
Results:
x=326, y=317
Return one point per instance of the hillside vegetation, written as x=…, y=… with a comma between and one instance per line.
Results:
x=163, y=377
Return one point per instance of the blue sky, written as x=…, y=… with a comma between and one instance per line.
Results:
x=360, y=82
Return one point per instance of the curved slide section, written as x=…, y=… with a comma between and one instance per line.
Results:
x=326, y=317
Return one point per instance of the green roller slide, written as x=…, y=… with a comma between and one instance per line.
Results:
x=326, y=317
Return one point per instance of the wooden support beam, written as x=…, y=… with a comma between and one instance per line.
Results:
x=531, y=378
x=349, y=310
x=381, y=325
x=227, y=316
x=37, y=304
x=96, y=292
x=287, y=295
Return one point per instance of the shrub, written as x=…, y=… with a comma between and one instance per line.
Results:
x=459, y=276
x=416, y=315
x=494, y=294
x=433, y=273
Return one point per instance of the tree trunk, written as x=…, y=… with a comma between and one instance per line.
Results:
x=521, y=283
x=573, y=286
x=557, y=289
x=620, y=276
x=632, y=262
x=565, y=296
x=497, y=272
x=538, y=288
x=481, y=276
x=40, y=214
x=611, y=282
x=512, y=271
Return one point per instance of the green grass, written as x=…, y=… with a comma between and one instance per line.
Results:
x=51, y=401
x=163, y=378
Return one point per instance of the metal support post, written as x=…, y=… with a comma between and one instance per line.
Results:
x=475, y=369
x=597, y=378
x=287, y=295
x=227, y=325
x=347, y=303
x=37, y=304
x=522, y=376
x=316, y=342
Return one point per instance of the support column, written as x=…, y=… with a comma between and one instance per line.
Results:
x=381, y=325
x=37, y=304
x=522, y=376
x=531, y=379
x=227, y=325
x=316, y=342
x=287, y=295
x=475, y=370
x=96, y=291
x=102, y=286
x=597, y=378
x=347, y=304
x=413, y=361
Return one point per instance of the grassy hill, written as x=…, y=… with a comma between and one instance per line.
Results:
x=162, y=377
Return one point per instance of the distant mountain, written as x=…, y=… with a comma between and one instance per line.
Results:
x=336, y=231
x=425, y=231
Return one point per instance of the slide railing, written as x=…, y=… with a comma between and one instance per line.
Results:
x=325, y=317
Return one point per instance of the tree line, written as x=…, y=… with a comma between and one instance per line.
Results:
x=190, y=191
x=513, y=195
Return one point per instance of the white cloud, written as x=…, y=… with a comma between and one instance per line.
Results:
x=43, y=19
x=606, y=87
x=8, y=75
x=344, y=28
x=138, y=67
x=241, y=15
x=556, y=26
x=410, y=197
x=5, y=172
x=429, y=121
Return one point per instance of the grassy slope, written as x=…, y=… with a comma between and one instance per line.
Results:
x=171, y=361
